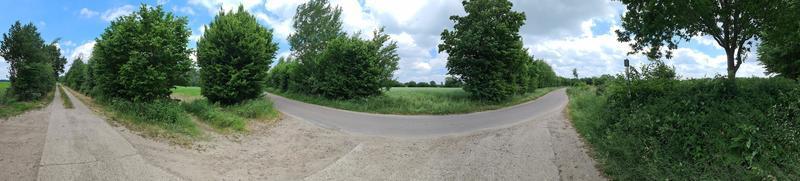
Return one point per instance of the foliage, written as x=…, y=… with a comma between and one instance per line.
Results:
x=31, y=69
x=650, y=25
x=779, y=50
x=11, y=107
x=354, y=67
x=418, y=101
x=452, y=81
x=541, y=75
x=485, y=49
x=65, y=98
x=254, y=109
x=141, y=56
x=284, y=75
x=234, y=55
x=57, y=60
x=316, y=22
x=76, y=75
x=165, y=114
x=211, y=113
x=701, y=129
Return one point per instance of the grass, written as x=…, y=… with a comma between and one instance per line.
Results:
x=163, y=119
x=692, y=129
x=10, y=107
x=418, y=101
x=65, y=98
x=225, y=118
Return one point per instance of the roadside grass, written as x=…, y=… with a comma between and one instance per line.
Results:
x=10, y=107
x=225, y=118
x=65, y=98
x=417, y=101
x=692, y=129
x=162, y=119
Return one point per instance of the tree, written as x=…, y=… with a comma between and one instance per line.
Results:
x=779, y=51
x=141, y=56
x=451, y=81
x=432, y=83
x=541, y=75
x=411, y=84
x=76, y=74
x=234, y=55
x=316, y=22
x=733, y=24
x=485, y=49
x=575, y=72
x=354, y=67
x=31, y=69
x=54, y=54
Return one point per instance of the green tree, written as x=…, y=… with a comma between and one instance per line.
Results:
x=652, y=24
x=58, y=60
x=452, y=81
x=485, y=49
x=779, y=51
x=234, y=56
x=355, y=67
x=31, y=69
x=316, y=22
x=76, y=74
x=141, y=56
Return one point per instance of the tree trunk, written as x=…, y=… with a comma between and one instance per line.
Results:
x=731, y=64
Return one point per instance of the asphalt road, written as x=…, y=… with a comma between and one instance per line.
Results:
x=420, y=125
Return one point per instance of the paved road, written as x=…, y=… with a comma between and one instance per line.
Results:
x=81, y=146
x=421, y=126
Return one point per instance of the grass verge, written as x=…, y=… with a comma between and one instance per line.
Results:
x=162, y=119
x=65, y=98
x=232, y=117
x=417, y=101
x=692, y=129
x=10, y=107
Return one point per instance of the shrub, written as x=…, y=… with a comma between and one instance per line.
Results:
x=234, y=55
x=141, y=56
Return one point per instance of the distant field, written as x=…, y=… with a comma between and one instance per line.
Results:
x=186, y=93
x=416, y=101
x=3, y=87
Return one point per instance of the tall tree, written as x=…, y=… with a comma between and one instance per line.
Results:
x=779, y=50
x=31, y=70
x=485, y=49
x=58, y=60
x=76, y=74
x=234, y=56
x=575, y=72
x=141, y=56
x=316, y=22
x=652, y=24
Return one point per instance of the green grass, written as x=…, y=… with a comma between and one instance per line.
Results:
x=65, y=98
x=231, y=117
x=692, y=129
x=10, y=107
x=187, y=91
x=215, y=116
x=418, y=101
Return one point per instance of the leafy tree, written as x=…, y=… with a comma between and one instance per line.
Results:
x=411, y=84
x=76, y=74
x=356, y=68
x=316, y=22
x=779, y=51
x=432, y=83
x=234, y=56
x=54, y=54
x=485, y=49
x=651, y=24
x=31, y=69
x=141, y=56
x=575, y=73
x=541, y=75
x=451, y=81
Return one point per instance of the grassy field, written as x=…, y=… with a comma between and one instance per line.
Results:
x=418, y=101
x=9, y=107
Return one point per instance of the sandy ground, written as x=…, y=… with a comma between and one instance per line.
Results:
x=21, y=144
x=546, y=148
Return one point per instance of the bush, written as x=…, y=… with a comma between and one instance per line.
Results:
x=355, y=68
x=31, y=67
x=141, y=56
x=707, y=129
x=234, y=55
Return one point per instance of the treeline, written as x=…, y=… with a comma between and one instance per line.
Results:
x=34, y=64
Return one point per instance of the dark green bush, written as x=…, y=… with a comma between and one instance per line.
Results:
x=234, y=55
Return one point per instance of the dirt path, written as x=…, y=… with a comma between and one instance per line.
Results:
x=81, y=146
x=21, y=143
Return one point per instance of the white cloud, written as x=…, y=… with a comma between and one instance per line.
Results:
x=162, y=2
x=213, y=6
x=84, y=51
x=85, y=12
x=112, y=14
x=184, y=10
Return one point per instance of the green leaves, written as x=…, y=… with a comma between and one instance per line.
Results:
x=142, y=55
x=485, y=49
x=234, y=55
x=31, y=62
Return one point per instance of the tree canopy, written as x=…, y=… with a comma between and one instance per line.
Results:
x=234, y=55
x=31, y=67
x=141, y=56
x=779, y=51
x=485, y=49
x=650, y=25
x=316, y=22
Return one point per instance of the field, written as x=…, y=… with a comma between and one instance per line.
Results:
x=418, y=101
x=3, y=87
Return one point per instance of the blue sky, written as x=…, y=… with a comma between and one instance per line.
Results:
x=566, y=33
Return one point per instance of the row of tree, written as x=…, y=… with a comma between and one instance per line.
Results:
x=34, y=65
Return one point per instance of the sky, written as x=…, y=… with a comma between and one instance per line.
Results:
x=567, y=34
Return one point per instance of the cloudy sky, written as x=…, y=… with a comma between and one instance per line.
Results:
x=566, y=33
